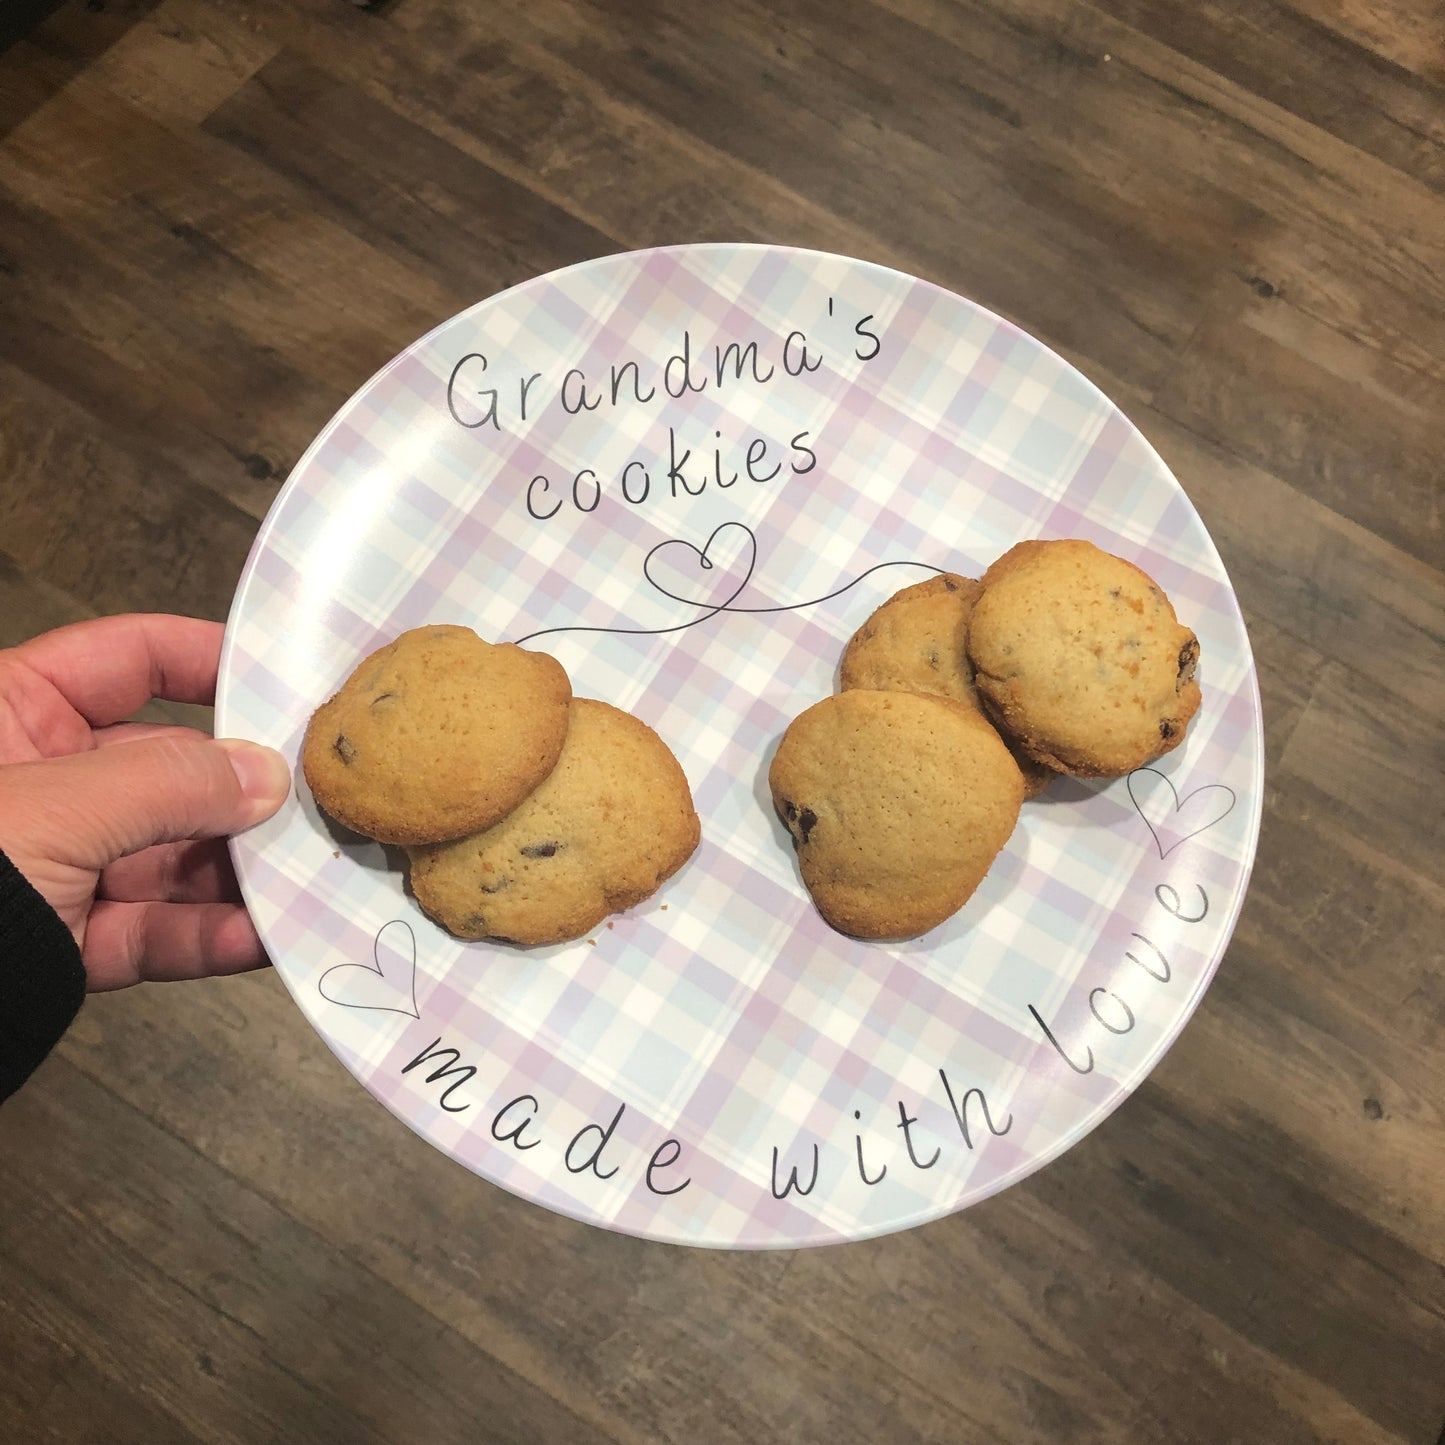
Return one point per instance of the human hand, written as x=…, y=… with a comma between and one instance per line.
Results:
x=120, y=826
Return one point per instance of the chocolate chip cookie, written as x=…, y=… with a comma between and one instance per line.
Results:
x=898, y=803
x=1079, y=657
x=611, y=823
x=436, y=735
x=917, y=641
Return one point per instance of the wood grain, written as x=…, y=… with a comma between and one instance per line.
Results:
x=218, y=218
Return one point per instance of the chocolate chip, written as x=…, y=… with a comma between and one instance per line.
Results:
x=1188, y=658
x=1168, y=728
x=345, y=749
x=497, y=886
x=934, y=659
x=541, y=850
x=950, y=584
x=800, y=821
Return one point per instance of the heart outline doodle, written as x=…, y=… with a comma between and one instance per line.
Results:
x=705, y=562
x=1179, y=804
x=380, y=972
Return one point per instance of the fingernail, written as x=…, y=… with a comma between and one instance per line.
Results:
x=264, y=775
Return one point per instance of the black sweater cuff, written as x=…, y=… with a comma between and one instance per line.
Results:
x=42, y=978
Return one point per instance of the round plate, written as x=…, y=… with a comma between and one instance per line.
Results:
x=690, y=474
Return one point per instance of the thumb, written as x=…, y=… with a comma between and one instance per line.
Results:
x=119, y=799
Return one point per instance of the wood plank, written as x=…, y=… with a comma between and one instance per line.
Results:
x=559, y=134
x=1287, y=56
x=55, y=1392
x=48, y=56
x=1335, y=1322
x=355, y=1361
x=121, y=534
x=182, y=61
x=391, y=181
x=1281, y=202
x=29, y=606
x=94, y=331
x=1331, y=587
x=189, y=209
x=1342, y=1055
x=1410, y=33
x=1334, y=442
x=1391, y=793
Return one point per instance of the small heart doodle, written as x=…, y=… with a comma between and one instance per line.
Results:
x=1173, y=820
x=677, y=569
x=389, y=986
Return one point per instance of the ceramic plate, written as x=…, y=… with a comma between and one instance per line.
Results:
x=690, y=474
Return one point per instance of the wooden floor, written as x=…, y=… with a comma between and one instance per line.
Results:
x=218, y=217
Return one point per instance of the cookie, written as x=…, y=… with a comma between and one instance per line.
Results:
x=917, y=641
x=611, y=823
x=436, y=735
x=1079, y=657
x=898, y=803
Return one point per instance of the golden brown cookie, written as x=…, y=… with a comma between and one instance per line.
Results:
x=1079, y=657
x=898, y=803
x=612, y=822
x=917, y=641
x=436, y=735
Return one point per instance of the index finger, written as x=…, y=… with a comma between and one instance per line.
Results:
x=108, y=667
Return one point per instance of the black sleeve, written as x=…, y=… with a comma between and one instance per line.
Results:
x=42, y=980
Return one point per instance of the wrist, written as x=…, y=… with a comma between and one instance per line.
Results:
x=42, y=977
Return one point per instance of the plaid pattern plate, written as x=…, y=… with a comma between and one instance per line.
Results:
x=690, y=474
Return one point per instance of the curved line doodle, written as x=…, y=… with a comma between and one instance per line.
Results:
x=712, y=609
